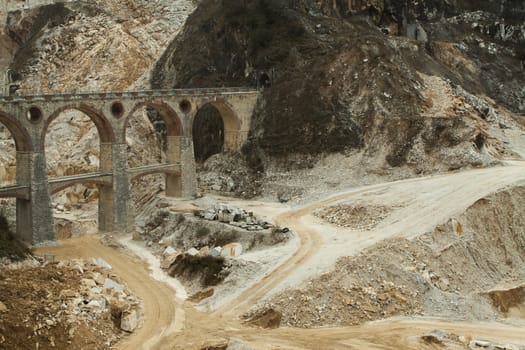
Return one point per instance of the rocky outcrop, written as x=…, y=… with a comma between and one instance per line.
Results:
x=71, y=46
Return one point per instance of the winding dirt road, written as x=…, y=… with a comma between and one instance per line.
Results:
x=426, y=202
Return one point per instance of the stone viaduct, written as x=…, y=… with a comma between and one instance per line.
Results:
x=28, y=118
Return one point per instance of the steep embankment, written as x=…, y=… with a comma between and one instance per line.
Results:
x=471, y=267
x=399, y=83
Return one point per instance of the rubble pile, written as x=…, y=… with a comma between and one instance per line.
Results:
x=344, y=305
x=356, y=217
x=450, y=340
x=228, y=173
x=209, y=246
x=235, y=217
x=66, y=304
x=217, y=230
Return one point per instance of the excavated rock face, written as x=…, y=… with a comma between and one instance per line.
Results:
x=84, y=46
x=354, y=74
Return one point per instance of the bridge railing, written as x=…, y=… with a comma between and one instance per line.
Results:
x=128, y=94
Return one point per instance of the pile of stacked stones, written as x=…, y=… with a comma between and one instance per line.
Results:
x=235, y=217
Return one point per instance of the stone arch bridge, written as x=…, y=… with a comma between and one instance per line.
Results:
x=28, y=118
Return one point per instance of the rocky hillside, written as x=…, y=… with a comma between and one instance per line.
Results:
x=96, y=45
x=403, y=83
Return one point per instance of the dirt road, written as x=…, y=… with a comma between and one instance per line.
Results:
x=422, y=204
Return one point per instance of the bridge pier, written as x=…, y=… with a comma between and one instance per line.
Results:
x=34, y=219
x=173, y=181
x=115, y=210
x=188, y=172
x=180, y=150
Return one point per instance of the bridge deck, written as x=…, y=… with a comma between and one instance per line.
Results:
x=111, y=95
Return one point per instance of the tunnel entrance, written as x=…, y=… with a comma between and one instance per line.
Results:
x=208, y=133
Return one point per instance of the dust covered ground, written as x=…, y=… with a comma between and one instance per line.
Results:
x=469, y=268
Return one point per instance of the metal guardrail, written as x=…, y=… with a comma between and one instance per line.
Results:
x=98, y=95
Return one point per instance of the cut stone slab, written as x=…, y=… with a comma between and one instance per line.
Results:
x=129, y=321
x=192, y=251
x=97, y=304
x=215, y=251
x=237, y=344
x=169, y=260
x=103, y=264
x=204, y=251
x=169, y=251
x=110, y=284
x=480, y=344
x=231, y=250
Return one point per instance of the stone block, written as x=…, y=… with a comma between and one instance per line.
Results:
x=169, y=260
x=215, y=251
x=204, y=251
x=169, y=251
x=129, y=321
x=192, y=251
x=231, y=250
x=110, y=284
x=103, y=264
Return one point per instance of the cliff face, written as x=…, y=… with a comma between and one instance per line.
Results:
x=84, y=46
x=370, y=76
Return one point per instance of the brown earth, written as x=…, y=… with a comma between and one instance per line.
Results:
x=181, y=327
x=38, y=298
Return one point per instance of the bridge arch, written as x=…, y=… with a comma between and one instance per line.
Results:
x=215, y=127
x=104, y=128
x=170, y=118
x=169, y=139
x=18, y=132
x=67, y=197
